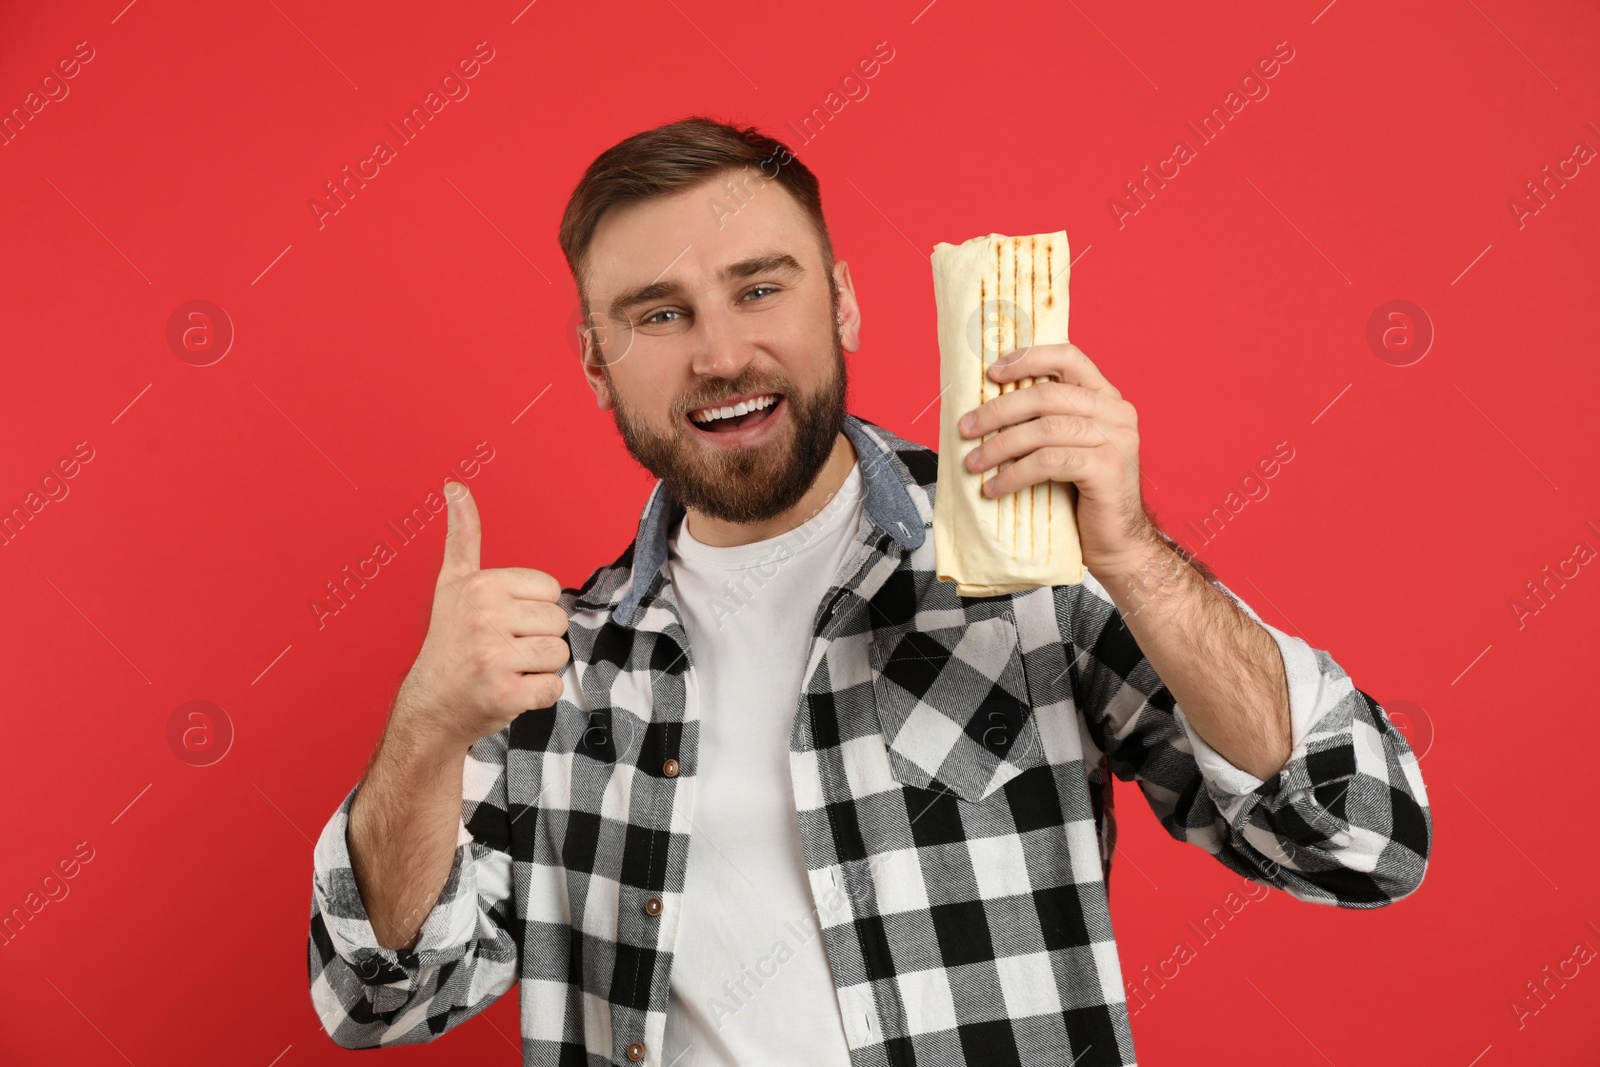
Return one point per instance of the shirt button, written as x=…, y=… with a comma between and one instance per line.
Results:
x=635, y=1052
x=653, y=906
x=670, y=768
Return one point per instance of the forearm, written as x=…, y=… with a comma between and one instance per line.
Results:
x=1223, y=669
x=403, y=830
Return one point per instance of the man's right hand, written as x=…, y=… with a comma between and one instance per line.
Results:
x=494, y=648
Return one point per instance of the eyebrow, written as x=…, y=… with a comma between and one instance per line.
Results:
x=771, y=263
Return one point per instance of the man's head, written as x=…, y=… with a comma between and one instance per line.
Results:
x=706, y=276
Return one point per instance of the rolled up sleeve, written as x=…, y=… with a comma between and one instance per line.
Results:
x=1311, y=693
x=1344, y=822
x=366, y=994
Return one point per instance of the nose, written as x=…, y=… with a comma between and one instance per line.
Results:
x=720, y=349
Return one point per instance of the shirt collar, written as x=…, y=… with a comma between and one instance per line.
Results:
x=888, y=504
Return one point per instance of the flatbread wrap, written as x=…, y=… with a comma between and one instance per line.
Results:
x=994, y=295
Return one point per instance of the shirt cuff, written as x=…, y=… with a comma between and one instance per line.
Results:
x=1307, y=693
x=446, y=932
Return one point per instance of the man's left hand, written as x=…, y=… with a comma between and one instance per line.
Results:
x=1073, y=427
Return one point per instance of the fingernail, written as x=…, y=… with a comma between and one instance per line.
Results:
x=968, y=422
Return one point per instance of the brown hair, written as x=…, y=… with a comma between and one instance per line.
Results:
x=668, y=158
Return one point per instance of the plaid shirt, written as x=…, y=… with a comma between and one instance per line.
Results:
x=952, y=761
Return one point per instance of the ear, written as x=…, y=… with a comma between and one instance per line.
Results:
x=591, y=342
x=849, y=310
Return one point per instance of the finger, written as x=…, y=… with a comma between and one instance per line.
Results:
x=535, y=618
x=463, y=532
x=1054, y=464
x=1066, y=362
x=536, y=691
x=525, y=583
x=1047, y=431
x=1035, y=361
x=1038, y=399
x=504, y=655
x=537, y=655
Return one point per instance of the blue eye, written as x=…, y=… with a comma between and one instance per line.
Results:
x=761, y=288
x=652, y=316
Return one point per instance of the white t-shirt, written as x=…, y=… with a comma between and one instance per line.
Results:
x=750, y=980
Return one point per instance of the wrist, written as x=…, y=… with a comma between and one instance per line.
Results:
x=416, y=741
x=1146, y=554
x=418, y=730
x=1153, y=574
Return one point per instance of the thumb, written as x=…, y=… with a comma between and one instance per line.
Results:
x=463, y=534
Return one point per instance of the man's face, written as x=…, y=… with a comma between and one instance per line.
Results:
x=698, y=302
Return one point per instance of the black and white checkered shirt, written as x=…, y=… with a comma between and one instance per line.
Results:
x=952, y=761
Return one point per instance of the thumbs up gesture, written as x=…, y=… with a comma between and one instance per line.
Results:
x=494, y=648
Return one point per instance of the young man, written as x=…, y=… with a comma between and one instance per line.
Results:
x=764, y=790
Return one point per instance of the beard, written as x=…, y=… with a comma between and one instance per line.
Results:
x=742, y=485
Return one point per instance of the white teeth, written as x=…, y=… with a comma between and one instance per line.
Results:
x=744, y=407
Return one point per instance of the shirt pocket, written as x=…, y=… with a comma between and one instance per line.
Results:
x=954, y=707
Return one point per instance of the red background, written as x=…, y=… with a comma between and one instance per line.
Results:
x=373, y=353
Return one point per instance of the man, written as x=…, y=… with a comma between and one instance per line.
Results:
x=764, y=790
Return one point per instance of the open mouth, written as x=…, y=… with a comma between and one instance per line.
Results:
x=735, y=417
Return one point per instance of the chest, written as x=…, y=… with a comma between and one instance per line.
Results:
x=896, y=707
x=940, y=796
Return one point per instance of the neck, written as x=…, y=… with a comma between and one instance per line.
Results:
x=720, y=534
